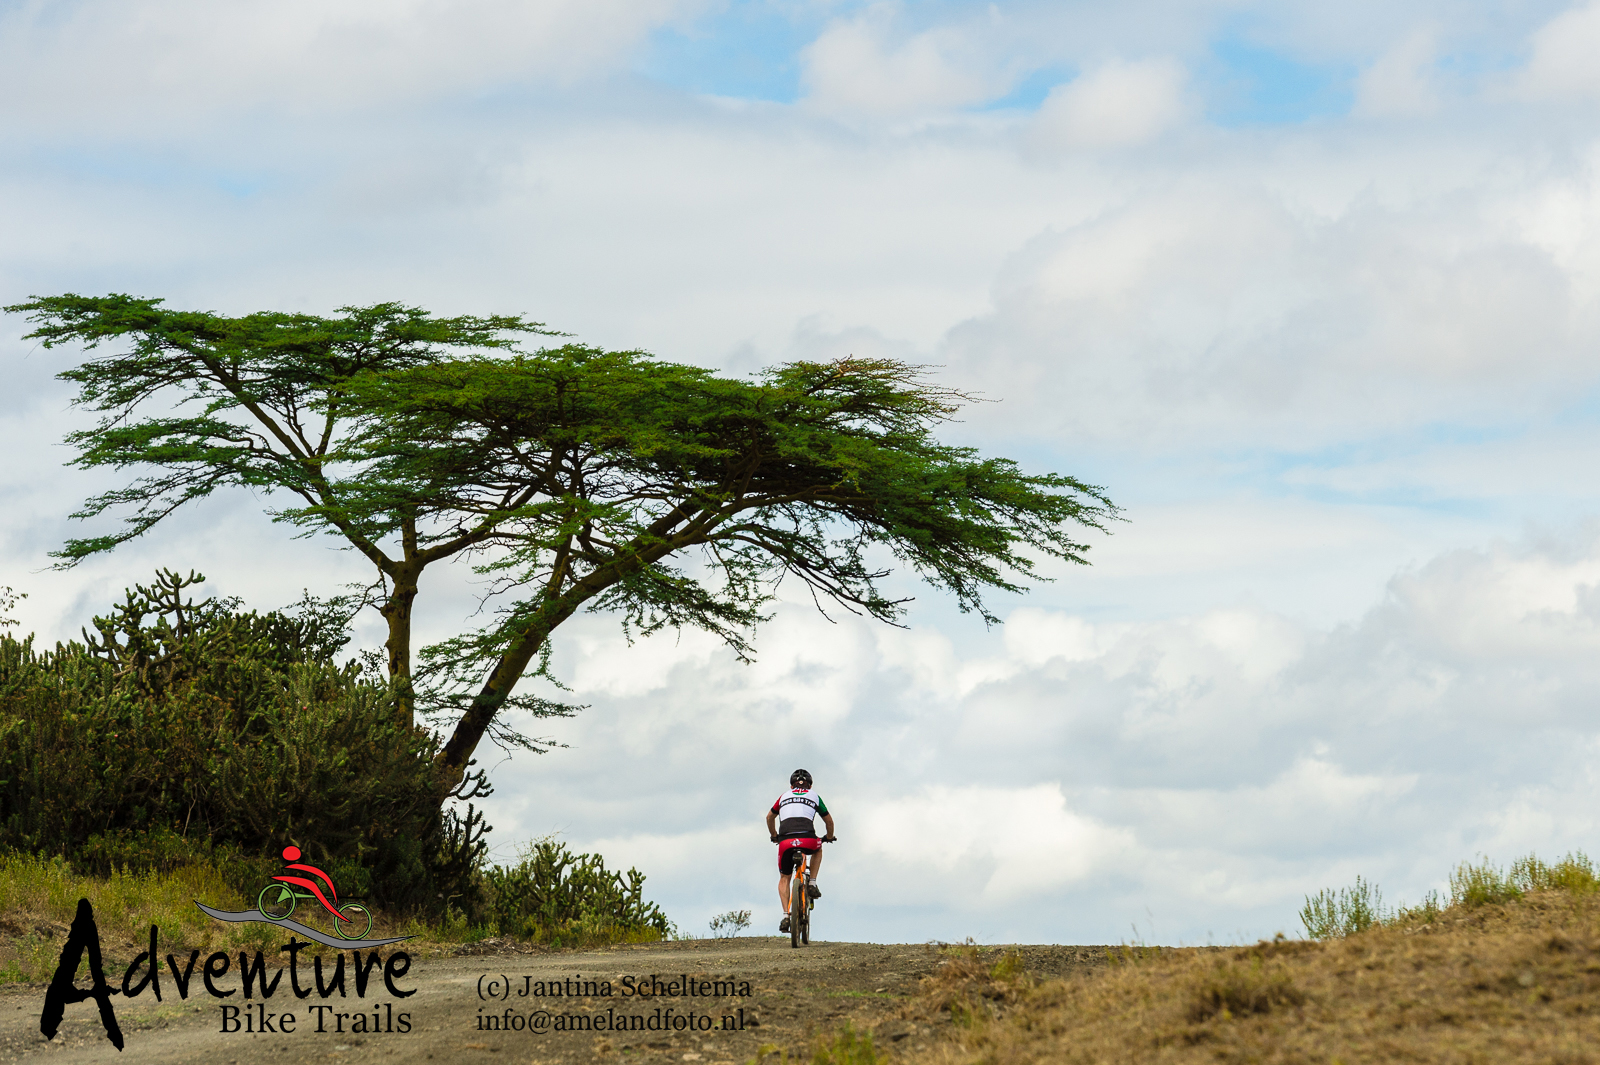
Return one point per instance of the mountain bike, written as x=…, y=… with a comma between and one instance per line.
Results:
x=277, y=900
x=800, y=900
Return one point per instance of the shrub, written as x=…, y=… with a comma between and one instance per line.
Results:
x=727, y=925
x=1480, y=885
x=1425, y=912
x=1574, y=873
x=187, y=732
x=1330, y=915
x=559, y=898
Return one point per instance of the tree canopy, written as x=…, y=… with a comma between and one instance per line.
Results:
x=577, y=478
x=255, y=401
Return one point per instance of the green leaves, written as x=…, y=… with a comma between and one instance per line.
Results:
x=574, y=477
x=256, y=401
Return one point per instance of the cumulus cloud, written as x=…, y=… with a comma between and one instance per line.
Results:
x=859, y=66
x=1402, y=81
x=1231, y=328
x=93, y=58
x=1562, y=64
x=1025, y=840
x=1116, y=104
x=1212, y=307
x=1210, y=768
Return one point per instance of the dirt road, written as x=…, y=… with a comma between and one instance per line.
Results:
x=711, y=1001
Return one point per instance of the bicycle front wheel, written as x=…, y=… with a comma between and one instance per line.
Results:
x=276, y=901
x=358, y=921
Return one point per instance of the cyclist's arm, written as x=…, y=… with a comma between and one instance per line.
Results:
x=827, y=819
x=772, y=823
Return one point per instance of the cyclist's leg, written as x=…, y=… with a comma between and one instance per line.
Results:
x=786, y=863
x=783, y=884
x=814, y=859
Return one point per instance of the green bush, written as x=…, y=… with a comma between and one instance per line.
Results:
x=1482, y=884
x=184, y=732
x=1425, y=912
x=1574, y=873
x=730, y=924
x=1330, y=915
x=563, y=899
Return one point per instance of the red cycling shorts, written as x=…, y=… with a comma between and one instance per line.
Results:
x=789, y=851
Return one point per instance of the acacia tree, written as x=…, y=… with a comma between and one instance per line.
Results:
x=584, y=479
x=257, y=402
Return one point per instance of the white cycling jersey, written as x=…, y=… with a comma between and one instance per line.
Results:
x=798, y=810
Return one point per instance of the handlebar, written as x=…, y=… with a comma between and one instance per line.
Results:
x=821, y=839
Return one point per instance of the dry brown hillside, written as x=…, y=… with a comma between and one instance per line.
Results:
x=1507, y=981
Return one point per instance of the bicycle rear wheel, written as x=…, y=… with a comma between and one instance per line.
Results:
x=804, y=885
x=797, y=905
x=357, y=922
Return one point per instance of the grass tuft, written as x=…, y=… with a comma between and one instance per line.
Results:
x=1330, y=915
x=1235, y=989
x=849, y=1047
x=1484, y=884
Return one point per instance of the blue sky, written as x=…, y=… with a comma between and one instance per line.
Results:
x=753, y=51
x=1314, y=291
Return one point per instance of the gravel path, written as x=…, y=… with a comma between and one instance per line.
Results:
x=711, y=1001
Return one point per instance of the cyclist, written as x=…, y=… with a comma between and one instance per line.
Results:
x=792, y=824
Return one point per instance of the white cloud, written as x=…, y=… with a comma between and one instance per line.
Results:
x=1561, y=216
x=1402, y=81
x=91, y=60
x=1210, y=307
x=1212, y=769
x=1562, y=64
x=1306, y=356
x=1116, y=104
x=857, y=67
x=1026, y=839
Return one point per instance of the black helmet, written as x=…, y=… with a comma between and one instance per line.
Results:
x=799, y=779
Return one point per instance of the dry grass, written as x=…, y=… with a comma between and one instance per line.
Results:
x=1508, y=982
x=38, y=899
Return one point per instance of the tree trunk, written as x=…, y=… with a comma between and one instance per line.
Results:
x=397, y=611
x=508, y=671
x=475, y=722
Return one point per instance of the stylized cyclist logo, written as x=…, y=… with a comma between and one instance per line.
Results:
x=277, y=900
